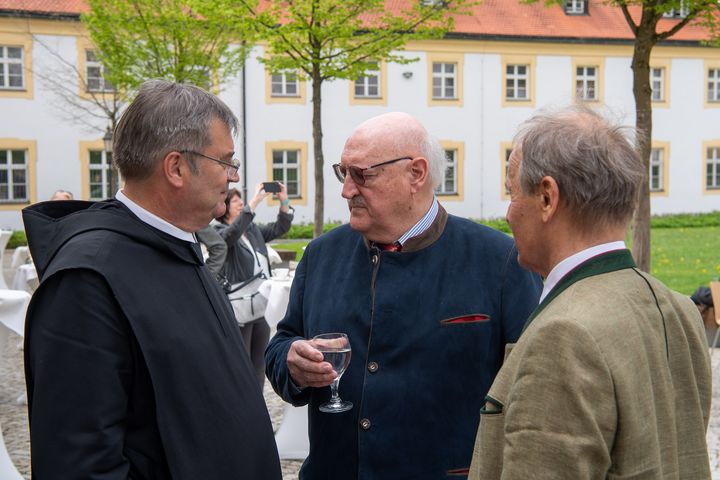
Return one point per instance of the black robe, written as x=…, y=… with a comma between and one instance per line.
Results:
x=135, y=366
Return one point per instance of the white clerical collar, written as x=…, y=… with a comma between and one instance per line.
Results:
x=153, y=220
x=564, y=267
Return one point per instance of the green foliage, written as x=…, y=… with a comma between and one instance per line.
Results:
x=686, y=220
x=305, y=230
x=330, y=39
x=17, y=239
x=179, y=40
x=496, y=223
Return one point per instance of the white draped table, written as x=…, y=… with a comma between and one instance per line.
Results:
x=25, y=278
x=292, y=435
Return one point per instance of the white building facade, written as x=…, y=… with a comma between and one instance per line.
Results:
x=471, y=93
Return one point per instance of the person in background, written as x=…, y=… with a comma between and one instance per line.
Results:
x=611, y=377
x=428, y=300
x=61, y=195
x=135, y=366
x=248, y=255
x=216, y=248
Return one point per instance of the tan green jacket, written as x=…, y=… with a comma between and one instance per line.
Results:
x=611, y=379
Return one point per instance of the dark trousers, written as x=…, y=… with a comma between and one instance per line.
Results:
x=256, y=335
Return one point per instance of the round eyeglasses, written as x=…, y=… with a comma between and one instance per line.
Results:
x=358, y=174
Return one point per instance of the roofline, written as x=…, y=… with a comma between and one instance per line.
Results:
x=450, y=35
x=572, y=40
x=39, y=15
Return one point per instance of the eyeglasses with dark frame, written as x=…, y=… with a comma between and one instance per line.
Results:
x=231, y=169
x=357, y=173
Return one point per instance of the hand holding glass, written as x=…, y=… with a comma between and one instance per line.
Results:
x=335, y=348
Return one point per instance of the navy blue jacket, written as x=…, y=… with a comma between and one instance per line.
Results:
x=428, y=330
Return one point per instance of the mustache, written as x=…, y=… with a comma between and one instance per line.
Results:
x=356, y=201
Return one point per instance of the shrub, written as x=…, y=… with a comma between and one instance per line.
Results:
x=305, y=230
x=18, y=239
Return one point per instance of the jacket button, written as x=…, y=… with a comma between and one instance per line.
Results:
x=365, y=424
x=372, y=367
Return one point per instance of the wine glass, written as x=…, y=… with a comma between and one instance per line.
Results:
x=335, y=348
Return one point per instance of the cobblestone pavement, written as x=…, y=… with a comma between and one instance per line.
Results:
x=13, y=417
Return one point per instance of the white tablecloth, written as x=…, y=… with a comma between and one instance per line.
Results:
x=13, y=305
x=292, y=435
x=277, y=291
x=26, y=278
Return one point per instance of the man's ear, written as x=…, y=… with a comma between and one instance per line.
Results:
x=174, y=169
x=419, y=173
x=549, y=198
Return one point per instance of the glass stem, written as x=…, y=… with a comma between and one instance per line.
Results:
x=335, y=398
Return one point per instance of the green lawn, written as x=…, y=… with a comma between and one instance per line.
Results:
x=682, y=258
x=685, y=258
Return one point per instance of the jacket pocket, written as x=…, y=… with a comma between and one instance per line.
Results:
x=490, y=442
x=466, y=319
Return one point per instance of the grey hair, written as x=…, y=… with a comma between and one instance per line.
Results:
x=163, y=117
x=435, y=155
x=594, y=163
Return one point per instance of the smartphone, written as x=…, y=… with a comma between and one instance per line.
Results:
x=271, y=187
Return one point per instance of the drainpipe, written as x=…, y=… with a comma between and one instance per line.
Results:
x=243, y=132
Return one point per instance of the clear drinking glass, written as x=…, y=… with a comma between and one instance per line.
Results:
x=335, y=347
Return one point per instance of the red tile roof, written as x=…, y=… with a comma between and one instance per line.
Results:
x=492, y=18
x=64, y=7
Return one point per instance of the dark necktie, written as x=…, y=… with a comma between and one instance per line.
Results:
x=390, y=247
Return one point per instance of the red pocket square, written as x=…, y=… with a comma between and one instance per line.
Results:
x=475, y=318
x=459, y=471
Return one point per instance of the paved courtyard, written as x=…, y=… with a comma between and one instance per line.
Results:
x=13, y=417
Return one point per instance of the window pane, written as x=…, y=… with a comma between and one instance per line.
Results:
x=19, y=192
x=95, y=191
x=292, y=175
x=90, y=56
x=292, y=156
x=14, y=52
x=437, y=67
x=277, y=156
x=95, y=157
x=278, y=174
x=18, y=157
x=292, y=189
x=95, y=176
x=4, y=192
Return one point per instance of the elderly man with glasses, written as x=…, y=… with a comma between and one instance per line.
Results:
x=135, y=365
x=428, y=300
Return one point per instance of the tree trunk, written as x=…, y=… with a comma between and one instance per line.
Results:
x=642, y=91
x=318, y=151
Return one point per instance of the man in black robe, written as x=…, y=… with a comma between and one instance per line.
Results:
x=135, y=365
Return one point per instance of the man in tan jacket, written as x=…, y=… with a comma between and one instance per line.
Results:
x=611, y=376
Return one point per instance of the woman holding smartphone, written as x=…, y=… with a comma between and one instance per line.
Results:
x=247, y=255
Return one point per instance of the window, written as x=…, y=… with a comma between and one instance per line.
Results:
x=586, y=79
x=285, y=84
x=443, y=81
x=516, y=82
x=95, y=74
x=713, y=82
x=368, y=86
x=12, y=68
x=657, y=164
x=657, y=83
x=681, y=12
x=14, y=186
x=712, y=162
x=286, y=169
x=103, y=181
x=448, y=186
x=575, y=7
